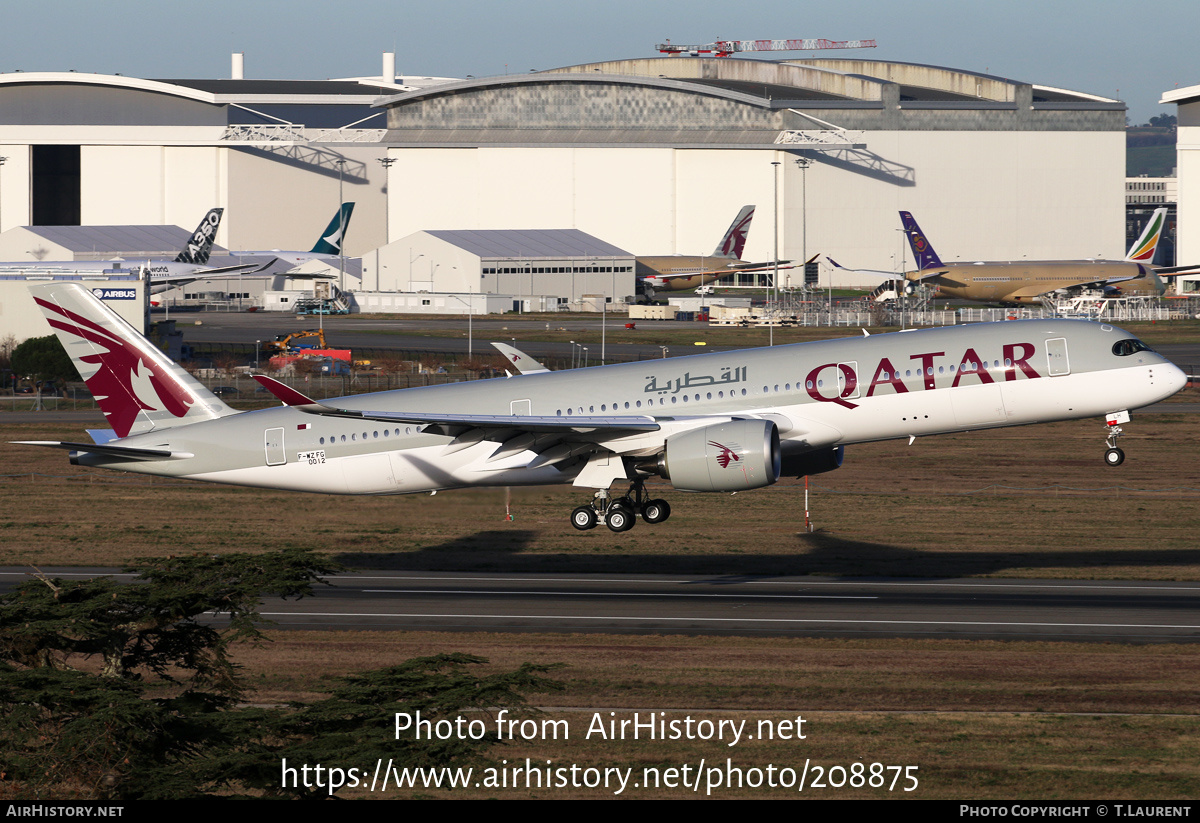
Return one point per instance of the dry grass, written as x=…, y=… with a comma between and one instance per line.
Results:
x=1033, y=501
x=978, y=719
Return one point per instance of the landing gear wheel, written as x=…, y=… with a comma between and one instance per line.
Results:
x=619, y=519
x=583, y=518
x=656, y=511
x=1114, y=457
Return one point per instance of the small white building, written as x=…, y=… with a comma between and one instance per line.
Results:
x=525, y=263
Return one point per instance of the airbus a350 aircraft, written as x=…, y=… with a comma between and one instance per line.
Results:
x=719, y=422
x=676, y=272
x=190, y=265
x=328, y=246
x=1025, y=281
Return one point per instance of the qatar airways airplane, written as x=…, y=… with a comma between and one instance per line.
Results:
x=718, y=422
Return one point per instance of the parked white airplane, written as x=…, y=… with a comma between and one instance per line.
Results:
x=190, y=265
x=328, y=246
x=719, y=422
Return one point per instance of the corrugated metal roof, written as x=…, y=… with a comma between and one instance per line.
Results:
x=530, y=243
x=138, y=240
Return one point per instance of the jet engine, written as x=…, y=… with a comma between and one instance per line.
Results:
x=801, y=464
x=724, y=457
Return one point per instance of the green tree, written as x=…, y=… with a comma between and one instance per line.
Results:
x=128, y=691
x=43, y=359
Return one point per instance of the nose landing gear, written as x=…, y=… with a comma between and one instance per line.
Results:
x=1114, y=456
x=621, y=514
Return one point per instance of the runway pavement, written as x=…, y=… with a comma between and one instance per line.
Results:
x=1110, y=611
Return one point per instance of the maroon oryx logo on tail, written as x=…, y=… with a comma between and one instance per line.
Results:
x=125, y=381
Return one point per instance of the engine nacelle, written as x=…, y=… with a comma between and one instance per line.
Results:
x=724, y=457
x=801, y=464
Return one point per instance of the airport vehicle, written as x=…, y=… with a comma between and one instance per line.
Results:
x=307, y=339
x=190, y=265
x=675, y=272
x=328, y=246
x=1026, y=281
x=717, y=422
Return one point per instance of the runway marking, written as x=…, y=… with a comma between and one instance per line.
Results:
x=745, y=620
x=797, y=583
x=628, y=594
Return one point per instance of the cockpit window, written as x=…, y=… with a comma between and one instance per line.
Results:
x=1122, y=348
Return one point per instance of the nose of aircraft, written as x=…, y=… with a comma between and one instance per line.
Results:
x=1173, y=380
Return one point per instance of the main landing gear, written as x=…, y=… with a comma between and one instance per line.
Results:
x=621, y=514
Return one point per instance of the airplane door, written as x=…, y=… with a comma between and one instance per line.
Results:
x=1056, y=357
x=273, y=443
x=842, y=378
x=522, y=408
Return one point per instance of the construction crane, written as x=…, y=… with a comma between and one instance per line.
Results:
x=724, y=48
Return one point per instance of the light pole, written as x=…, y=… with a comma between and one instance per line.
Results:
x=775, y=262
x=2, y=160
x=387, y=163
x=341, y=164
x=470, y=316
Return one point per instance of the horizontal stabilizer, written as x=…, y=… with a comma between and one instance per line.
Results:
x=111, y=451
x=284, y=393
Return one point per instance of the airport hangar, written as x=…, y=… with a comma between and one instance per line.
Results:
x=1187, y=163
x=655, y=156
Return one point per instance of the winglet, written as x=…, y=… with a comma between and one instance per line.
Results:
x=285, y=394
x=524, y=363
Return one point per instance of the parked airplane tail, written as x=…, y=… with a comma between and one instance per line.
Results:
x=1142, y=250
x=330, y=241
x=199, y=245
x=137, y=386
x=924, y=254
x=734, y=241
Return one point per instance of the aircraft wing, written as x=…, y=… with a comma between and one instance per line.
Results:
x=890, y=275
x=1175, y=269
x=615, y=425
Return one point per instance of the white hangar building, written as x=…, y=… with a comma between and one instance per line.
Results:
x=1187, y=174
x=566, y=264
x=106, y=150
x=657, y=155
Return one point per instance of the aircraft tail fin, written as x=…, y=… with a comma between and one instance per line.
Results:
x=734, y=241
x=330, y=241
x=199, y=245
x=1142, y=250
x=925, y=256
x=137, y=386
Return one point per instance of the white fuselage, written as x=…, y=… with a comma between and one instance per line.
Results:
x=819, y=395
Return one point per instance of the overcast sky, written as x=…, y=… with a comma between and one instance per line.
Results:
x=1131, y=51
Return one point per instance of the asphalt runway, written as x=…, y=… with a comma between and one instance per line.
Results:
x=1073, y=610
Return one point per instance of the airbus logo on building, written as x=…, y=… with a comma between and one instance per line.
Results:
x=115, y=294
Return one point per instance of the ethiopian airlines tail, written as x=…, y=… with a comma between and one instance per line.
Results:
x=330, y=241
x=734, y=241
x=199, y=245
x=139, y=388
x=924, y=254
x=1142, y=250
